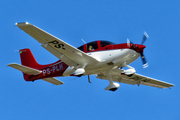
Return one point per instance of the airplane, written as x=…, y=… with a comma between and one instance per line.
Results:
x=102, y=58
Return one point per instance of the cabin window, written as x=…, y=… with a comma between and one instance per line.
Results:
x=105, y=43
x=92, y=46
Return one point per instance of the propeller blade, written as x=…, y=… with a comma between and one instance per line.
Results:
x=145, y=37
x=145, y=63
x=128, y=42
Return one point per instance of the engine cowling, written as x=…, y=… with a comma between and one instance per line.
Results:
x=112, y=87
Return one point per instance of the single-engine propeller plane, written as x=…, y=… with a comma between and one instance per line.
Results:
x=102, y=58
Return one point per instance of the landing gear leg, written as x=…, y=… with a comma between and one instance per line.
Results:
x=112, y=86
x=129, y=71
x=89, y=79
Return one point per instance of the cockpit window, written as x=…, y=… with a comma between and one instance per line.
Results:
x=81, y=48
x=105, y=43
x=92, y=46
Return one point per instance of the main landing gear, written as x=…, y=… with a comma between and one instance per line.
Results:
x=129, y=72
x=79, y=71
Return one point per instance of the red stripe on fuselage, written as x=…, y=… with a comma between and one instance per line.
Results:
x=136, y=47
x=52, y=70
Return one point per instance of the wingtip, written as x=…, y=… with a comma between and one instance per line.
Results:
x=22, y=23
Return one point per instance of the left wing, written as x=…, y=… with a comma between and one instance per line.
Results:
x=65, y=52
x=135, y=79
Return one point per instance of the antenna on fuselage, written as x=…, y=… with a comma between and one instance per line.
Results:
x=83, y=41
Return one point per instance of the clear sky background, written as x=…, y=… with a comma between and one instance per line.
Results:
x=71, y=21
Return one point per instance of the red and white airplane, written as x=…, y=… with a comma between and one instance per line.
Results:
x=102, y=58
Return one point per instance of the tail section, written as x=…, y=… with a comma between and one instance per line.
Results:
x=27, y=71
x=33, y=71
x=27, y=59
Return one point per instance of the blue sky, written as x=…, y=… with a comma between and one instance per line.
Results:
x=91, y=20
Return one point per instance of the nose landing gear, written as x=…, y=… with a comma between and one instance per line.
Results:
x=112, y=86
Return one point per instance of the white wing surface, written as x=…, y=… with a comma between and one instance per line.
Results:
x=65, y=52
x=135, y=79
x=25, y=69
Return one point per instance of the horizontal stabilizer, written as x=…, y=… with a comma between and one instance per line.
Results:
x=53, y=81
x=25, y=69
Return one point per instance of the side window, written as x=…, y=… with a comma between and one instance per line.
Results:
x=92, y=46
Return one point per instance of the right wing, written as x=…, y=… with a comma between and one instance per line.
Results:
x=65, y=52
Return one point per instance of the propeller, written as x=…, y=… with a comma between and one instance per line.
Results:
x=128, y=42
x=145, y=37
x=136, y=47
x=145, y=63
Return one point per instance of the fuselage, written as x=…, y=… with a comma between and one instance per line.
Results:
x=109, y=59
x=109, y=54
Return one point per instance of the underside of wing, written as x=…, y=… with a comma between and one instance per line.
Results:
x=65, y=52
x=135, y=79
x=150, y=81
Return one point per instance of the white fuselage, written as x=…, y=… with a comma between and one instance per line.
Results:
x=108, y=59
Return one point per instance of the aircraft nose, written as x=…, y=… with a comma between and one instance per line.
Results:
x=141, y=47
x=138, y=48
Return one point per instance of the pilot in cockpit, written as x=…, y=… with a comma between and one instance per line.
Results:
x=91, y=48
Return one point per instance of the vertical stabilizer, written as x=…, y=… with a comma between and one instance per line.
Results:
x=27, y=59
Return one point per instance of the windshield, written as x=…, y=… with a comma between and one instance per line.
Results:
x=105, y=43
